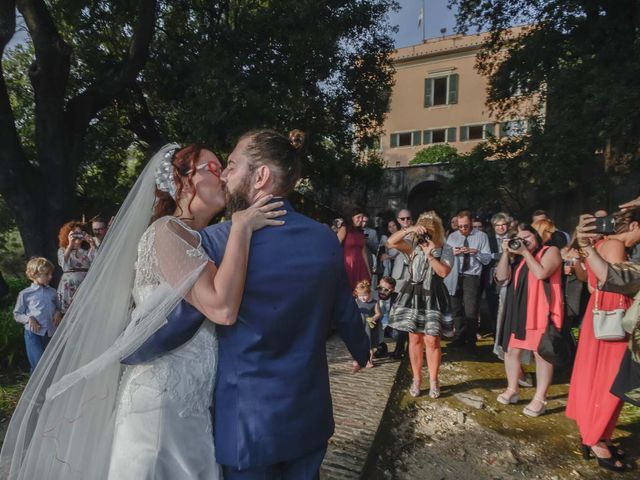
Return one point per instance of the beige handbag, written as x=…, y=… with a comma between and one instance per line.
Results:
x=632, y=316
x=607, y=324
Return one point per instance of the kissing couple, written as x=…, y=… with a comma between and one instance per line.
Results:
x=193, y=351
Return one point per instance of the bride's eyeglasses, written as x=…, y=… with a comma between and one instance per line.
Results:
x=211, y=166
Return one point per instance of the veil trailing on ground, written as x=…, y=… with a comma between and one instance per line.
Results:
x=63, y=424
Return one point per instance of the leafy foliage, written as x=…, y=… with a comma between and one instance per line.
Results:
x=435, y=154
x=213, y=70
x=574, y=70
x=12, y=352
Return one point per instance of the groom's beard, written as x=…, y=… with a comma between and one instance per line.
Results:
x=238, y=200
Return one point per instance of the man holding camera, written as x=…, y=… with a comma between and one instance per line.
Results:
x=472, y=252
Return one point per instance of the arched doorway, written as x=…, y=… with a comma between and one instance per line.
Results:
x=424, y=197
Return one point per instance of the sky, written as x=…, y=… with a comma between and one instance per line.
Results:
x=437, y=16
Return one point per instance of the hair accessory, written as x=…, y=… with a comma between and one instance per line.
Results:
x=164, y=174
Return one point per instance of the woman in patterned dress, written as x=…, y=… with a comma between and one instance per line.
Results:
x=423, y=299
x=75, y=255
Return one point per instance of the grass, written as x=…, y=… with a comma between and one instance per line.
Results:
x=11, y=387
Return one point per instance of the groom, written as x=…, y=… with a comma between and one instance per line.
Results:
x=273, y=413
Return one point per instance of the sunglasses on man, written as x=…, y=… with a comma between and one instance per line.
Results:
x=383, y=289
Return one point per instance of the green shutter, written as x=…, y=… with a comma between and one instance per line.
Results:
x=428, y=92
x=394, y=140
x=453, y=88
x=489, y=130
x=464, y=134
x=427, y=137
x=416, y=137
x=451, y=134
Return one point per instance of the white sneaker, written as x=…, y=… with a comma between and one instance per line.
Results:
x=527, y=381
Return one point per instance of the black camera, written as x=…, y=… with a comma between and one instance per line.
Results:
x=515, y=243
x=77, y=235
x=605, y=225
x=422, y=239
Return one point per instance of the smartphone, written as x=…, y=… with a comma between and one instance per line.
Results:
x=605, y=225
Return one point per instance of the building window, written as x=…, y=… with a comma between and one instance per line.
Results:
x=476, y=132
x=441, y=90
x=513, y=128
x=406, y=139
x=439, y=135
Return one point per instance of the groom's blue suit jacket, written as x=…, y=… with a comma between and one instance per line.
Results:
x=272, y=398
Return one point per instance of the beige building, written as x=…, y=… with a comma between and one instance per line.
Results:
x=439, y=98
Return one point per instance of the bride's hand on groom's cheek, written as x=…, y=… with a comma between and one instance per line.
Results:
x=261, y=214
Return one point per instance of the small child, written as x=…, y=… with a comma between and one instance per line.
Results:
x=38, y=309
x=370, y=315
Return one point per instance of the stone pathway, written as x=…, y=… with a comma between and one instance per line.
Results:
x=358, y=404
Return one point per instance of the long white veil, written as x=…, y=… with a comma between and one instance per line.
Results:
x=63, y=425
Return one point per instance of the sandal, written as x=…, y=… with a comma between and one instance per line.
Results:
x=615, y=451
x=506, y=400
x=530, y=412
x=612, y=463
x=414, y=390
x=434, y=389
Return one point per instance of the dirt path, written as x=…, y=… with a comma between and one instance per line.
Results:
x=467, y=434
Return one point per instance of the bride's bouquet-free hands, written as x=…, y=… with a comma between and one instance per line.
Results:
x=260, y=214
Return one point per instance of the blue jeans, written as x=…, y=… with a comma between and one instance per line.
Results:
x=303, y=468
x=35, y=345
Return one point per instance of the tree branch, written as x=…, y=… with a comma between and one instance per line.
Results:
x=83, y=108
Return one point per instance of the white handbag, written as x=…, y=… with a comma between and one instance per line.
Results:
x=607, y=324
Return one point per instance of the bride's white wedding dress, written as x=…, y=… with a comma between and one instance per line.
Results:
x=163, y=427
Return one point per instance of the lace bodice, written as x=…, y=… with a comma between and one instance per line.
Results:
x=186, y=374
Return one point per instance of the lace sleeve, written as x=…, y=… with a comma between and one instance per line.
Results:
x=178, y=250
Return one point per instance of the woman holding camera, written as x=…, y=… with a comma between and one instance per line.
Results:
x=533, y=299
x=423, y=299
x=590, y=403
x=77, y=251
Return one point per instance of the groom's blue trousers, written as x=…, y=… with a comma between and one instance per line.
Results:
x=303, y=468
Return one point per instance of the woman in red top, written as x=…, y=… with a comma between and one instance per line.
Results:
x=529, y=306
x=355, y=250
x=590, y=403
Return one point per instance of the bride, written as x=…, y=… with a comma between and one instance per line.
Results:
x=81, y=416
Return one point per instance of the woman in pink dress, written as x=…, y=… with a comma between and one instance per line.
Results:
x=533, y=299
x=355, y=251
x=590, y=403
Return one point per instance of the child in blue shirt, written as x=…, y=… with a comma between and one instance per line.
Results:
x=37, y=308
x=371, y=314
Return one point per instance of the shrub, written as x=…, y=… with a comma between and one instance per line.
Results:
x=435, y=154
x=12, y=352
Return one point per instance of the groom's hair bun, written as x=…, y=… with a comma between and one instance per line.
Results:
x=283, y=154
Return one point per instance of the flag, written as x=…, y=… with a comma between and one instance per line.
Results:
x=421, y=17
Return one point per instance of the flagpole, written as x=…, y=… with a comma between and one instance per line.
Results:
x=424, y=24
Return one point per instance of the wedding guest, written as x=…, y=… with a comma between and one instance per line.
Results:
x=471, y=251
x=534, y=298
x=75, y=255
x=590, y=402
x=386, y=298
x=37, y=309
x=99, y=229
x=400, y=269
x=371, y=316
x=354, y=246
x=424, y=299
x=386, y=255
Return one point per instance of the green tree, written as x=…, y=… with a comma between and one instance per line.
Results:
x=109, y=80
x=435, y=154
x=574, y=69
